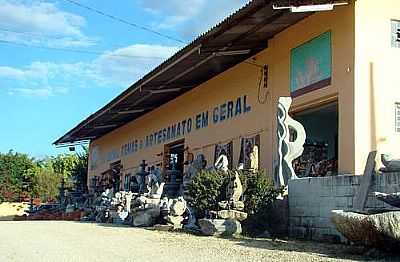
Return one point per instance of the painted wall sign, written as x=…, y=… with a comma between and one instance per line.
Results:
x=223, y=112
x=311, y=63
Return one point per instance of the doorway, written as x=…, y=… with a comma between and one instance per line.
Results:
x=115, y=169
x=174, y=156
x=320, y=156
x=173, y=165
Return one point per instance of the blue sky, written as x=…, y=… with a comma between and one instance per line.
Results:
x=45, y=92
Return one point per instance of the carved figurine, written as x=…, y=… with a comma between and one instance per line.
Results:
x=222, y=163
x=235, y=189
x=254, y=158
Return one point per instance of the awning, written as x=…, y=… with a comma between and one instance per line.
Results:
x=237, y=38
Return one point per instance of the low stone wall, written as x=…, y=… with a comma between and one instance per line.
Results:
x=312, y=199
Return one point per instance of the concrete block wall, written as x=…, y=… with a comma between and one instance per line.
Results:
x=311, y=201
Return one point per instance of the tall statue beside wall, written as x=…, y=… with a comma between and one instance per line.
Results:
x=291, y=138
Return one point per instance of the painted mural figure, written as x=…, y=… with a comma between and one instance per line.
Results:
x=222, y=163
x=287, y=150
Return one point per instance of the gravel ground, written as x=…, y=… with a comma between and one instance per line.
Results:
x=41, y=241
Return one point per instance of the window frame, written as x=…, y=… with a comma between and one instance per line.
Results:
x=395, y=33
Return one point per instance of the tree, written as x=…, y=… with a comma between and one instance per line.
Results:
x=22, y=176
x=13, y=174
x=80, y=171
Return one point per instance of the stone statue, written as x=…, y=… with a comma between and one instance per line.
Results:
x=155, y=186
x=106, y=197
x=254, y=158
x=141, y=177
x=191, y=219
x=234, y=189
x=287, y=150
x=222, y=163
x=128, y=201
x=172, y=211
x=231, y=212
x=194, y=168
x=391, y=165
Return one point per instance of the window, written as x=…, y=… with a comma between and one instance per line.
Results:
x=396, y=33
x=398, y=117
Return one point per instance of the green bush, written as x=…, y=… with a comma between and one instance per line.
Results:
x=260, y=192
x=259, y=198
x=209, y=187
x=206, y=190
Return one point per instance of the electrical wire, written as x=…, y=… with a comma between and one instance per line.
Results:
x=77, y=50
x=120, y=20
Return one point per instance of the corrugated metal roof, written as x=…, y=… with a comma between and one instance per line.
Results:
x=249, y=28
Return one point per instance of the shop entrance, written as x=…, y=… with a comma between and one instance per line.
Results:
x=115, y=170
x=320, y=156
x=174, y=156
x=173, y=165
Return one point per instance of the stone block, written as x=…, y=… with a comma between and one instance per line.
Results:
x=344, y=191
x=298, y=232
x=371, y=202
x=232, y=214
x=295, y=221
x=350, y=202
x=338, y=181
x=297, y=211
x=314, y=211
x=142, y=219
x=307, y=222
x=164, y=227
x=341, y=202
x=322, y=222
x=325, y=210
x=326, y=192
x=226, y=227
x=326, y=181
x=379, y=230
x=348, y=180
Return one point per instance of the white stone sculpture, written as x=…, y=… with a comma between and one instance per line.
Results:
x=222, y=163
x=287, y=150
x=254, y=158
x=234, y=189
x=154, y=186
x=128, y=201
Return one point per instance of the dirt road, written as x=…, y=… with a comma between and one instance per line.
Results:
x=38, y=241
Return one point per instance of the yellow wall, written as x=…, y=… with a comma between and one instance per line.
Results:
x=243, y=80
x=377, y=86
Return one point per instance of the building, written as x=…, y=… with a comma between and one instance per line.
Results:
x=220, y=92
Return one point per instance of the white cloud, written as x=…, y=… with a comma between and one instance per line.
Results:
x=190, y=19
x=40, y=92
x=175, y=12
x=126, y=64
x=117, y=69
x=41, y=22
x=10, y=72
